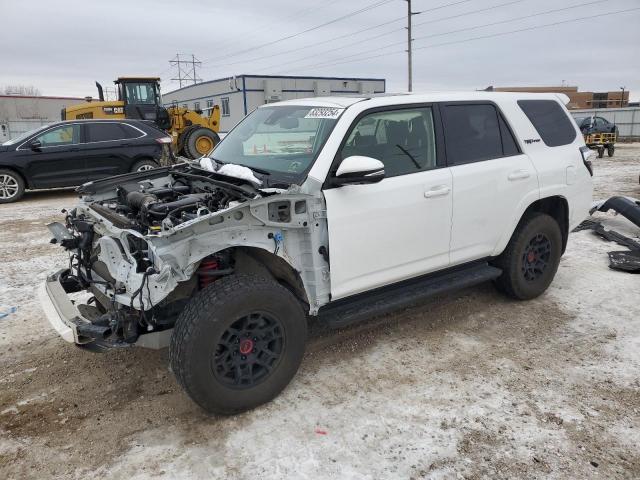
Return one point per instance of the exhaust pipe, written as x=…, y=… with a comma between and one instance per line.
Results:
x=100, y=92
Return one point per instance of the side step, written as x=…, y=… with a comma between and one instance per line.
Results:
x=393, y=297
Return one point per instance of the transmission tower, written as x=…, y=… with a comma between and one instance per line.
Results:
x=187, y=69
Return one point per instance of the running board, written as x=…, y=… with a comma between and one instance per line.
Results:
x=405, y=294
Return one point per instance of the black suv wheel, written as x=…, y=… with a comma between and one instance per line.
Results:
x=238, y=343
x=11, y=186
x=531, y=258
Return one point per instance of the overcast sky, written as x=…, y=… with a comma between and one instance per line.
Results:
x=63, y=46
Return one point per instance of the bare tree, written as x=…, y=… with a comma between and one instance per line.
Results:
x=27, y=90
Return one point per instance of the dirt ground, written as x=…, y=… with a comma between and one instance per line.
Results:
x=468, y=385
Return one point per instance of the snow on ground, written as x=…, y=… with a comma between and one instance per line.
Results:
x=468, y=385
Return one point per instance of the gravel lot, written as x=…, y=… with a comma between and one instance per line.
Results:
x=468, y=385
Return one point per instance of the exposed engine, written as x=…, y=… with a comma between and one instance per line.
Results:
x=180, y=197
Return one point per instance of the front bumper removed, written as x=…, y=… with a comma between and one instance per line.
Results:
x=61, y=312
x=74, y=327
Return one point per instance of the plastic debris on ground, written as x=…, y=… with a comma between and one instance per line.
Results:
x=5, y=312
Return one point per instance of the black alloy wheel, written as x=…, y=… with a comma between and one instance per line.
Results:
x=535, y=257
x=249, y=350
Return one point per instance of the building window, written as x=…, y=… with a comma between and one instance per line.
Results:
x=225, y=106
x=209, y=105
x=196, y=106
x=184, y=105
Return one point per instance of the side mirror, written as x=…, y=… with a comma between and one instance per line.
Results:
x=35, y=145
x=358, y=170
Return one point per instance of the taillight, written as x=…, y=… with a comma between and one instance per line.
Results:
x=163, y=140
x=587, y=155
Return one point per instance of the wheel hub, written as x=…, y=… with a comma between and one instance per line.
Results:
x=536, y=257
x=248, y=350
x=246, y=346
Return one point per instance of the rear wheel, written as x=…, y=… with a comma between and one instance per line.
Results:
x=531, y=258
x=11, y=186
x=144, y=165
x=199, y=142
x=611, y=150
x=238, y=343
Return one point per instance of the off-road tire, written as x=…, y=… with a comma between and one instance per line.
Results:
x=209, y=315
x=600, y=152
x=513, y=260
x=192, y=138
x=11, y=186
x=143, y=165
x=611, y=150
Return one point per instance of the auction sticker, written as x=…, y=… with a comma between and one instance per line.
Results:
x=324, y=112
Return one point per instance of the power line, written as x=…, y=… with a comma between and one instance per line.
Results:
x=341, y=47
x=485, y=36
x=351, y=34
x=475, y=27
x=297, y=15
x=311, y=29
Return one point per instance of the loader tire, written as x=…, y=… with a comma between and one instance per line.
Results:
x=238, y=343
x=199, y=142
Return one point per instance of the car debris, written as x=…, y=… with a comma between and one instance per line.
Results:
x=626, y=206
x=628, y=261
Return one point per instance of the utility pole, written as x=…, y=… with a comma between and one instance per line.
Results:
x=409, y=53
x=622, y=97
x=187, y=73
x=410, y=14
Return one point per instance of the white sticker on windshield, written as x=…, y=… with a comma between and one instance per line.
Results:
x=324, y=112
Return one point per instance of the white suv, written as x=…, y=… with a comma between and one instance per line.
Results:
x=337, y=208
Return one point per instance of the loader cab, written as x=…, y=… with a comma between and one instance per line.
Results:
x=142, y=100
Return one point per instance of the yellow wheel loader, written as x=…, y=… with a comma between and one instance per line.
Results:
x=193, y=134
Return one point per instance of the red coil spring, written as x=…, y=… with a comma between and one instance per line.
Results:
x=207, y=266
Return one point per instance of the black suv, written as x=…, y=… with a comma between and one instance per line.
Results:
x=65, y=154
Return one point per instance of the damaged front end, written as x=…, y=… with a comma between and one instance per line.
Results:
x=141, y=245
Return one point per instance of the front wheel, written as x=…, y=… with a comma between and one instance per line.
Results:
x=238, y=343
x=11, y=186
x=531, y=258
x=199, y=142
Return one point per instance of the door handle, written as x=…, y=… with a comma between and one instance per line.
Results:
x=519, y=175
x=438, y=191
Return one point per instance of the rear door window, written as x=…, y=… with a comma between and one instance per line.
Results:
x=550, y=121
x=472, y=133
x=103, y=132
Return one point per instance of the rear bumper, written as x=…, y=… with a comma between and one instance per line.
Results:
x=62, y=314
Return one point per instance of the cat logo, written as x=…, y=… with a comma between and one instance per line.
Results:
x=113, y=110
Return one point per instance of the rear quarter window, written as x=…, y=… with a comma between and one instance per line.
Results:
x=550, y=121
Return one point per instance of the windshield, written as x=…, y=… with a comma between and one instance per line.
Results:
x=24, y=136
x=142, y=93
x=283, y=140
x=581, y=120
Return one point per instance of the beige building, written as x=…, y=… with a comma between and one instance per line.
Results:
x=21, y=113
x=577, y=99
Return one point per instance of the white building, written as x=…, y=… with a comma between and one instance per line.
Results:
x=239, y=95
x=21, y=113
